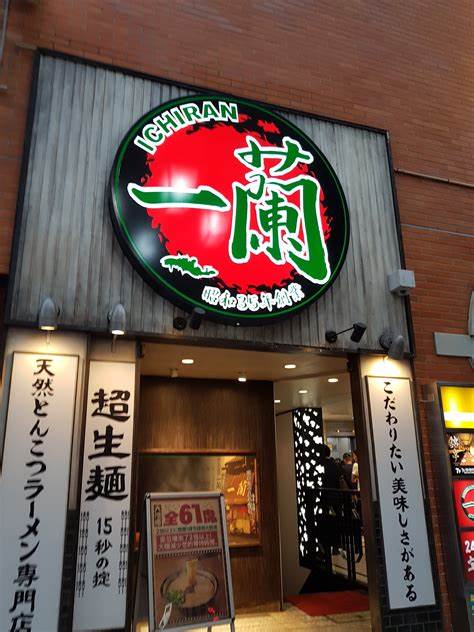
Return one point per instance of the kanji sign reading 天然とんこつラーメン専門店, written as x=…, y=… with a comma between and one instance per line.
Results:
x=223, y=204
x=34, y=489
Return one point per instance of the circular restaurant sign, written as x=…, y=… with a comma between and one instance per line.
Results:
x=223, y=204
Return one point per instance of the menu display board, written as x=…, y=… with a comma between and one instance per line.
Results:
x=188, y=567
x=457, y=406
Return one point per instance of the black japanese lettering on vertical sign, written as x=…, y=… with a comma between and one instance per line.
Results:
x=399, y=492
x=113, y=406
x=23, y=600
x=107, y=479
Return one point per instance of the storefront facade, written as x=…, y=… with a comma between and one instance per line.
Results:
x=69, y=249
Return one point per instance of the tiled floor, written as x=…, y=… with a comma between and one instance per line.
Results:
x=294, y=620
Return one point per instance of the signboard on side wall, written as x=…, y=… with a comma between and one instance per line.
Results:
x=34, y=490
x=400, y=492
x=184, y=557
x=102, y=559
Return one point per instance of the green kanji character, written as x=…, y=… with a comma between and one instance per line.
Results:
x=290, y=154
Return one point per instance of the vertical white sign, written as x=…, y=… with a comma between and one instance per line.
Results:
x=102, y=558
x=34, y=489
x=407, y=556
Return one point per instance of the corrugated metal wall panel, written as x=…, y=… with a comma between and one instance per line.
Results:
x=67, y=248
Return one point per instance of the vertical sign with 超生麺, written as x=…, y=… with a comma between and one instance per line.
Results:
x=34, y=486
x=102, y=556
x=400, y=491
x=189, y=583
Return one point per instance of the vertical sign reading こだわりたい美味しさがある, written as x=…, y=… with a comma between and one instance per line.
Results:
x=252, y=233
x=400, y=490
x=102, y=558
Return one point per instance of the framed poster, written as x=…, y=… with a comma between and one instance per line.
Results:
x=461, y=452
x=34, y=487
x=235, y=475
x=189, y=578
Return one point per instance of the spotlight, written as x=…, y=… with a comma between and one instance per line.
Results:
x=276, y=401
x=302, y=391
x=333, y=380
x=180, y=323
x=290, y=366
x=187, y=361
x=48, y=315
x=393, y=344
x=117, y=319
x=242, y=377
x=358, y=330
x=331, y=336
x=196, y=317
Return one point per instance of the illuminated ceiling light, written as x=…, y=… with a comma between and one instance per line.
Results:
x=117, y=319
x=333, y=380
x=302, y=391
x=187, y=361
x=48, y=315
x=277, y=401
x=290, y=366
x=242, y=377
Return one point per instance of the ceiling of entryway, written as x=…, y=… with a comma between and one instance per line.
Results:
x=311, y=373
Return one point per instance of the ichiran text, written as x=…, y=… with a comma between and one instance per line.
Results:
x=153, y=134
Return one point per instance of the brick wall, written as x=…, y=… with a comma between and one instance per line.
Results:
x=402, y=66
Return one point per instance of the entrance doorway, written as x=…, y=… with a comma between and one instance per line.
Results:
x=324, y=570
x=213, y=418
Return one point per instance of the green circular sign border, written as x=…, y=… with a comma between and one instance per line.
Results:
x=118, y=214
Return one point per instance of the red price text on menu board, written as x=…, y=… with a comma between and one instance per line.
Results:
x=186, y=526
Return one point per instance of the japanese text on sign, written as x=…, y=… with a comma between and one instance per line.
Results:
x=105, y=502
x=34, y=488
x=405, y=538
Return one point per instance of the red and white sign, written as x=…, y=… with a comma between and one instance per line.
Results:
x=222, y=204
x=463, y=491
